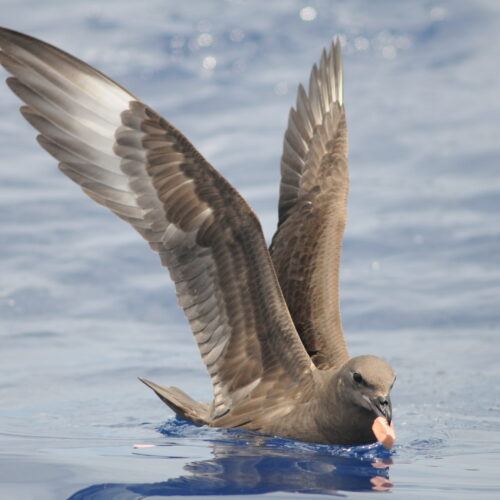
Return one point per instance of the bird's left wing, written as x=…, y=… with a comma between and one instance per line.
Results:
x=129, y=159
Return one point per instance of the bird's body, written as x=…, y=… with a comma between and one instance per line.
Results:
x=267, y=323
x=322, y=415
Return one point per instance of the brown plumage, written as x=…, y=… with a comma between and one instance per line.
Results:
x=292, y=378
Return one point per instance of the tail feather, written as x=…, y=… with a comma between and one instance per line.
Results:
x=181, y=403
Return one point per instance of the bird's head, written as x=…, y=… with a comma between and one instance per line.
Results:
x=366, y=383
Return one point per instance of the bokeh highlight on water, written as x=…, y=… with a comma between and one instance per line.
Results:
x=85, y=307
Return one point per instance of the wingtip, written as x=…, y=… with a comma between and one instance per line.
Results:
x=338, y=68
x=7, y=34
x=4, y=32
x=335, y=41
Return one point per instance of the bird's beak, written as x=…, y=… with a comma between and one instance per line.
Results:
x=382, y=406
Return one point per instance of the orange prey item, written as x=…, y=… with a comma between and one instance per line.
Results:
x=384, y=432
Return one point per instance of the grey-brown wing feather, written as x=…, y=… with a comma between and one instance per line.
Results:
x=312, y=211
x=129, y=159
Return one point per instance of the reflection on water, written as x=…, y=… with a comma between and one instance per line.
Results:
x=252, y=464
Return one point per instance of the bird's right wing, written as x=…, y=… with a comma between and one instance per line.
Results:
x=129, y=159
x=313, y=211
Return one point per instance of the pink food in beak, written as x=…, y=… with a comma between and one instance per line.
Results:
x=384, y=432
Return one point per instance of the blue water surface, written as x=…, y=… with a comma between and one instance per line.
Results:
x=85, y=307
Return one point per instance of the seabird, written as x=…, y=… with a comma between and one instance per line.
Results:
x=267, y=322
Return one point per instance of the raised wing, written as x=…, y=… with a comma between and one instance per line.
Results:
x=129, y=159
x=312, y=211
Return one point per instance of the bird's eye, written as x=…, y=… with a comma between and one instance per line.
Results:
x=357, y=377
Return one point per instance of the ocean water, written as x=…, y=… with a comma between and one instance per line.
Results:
x=85, y=307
